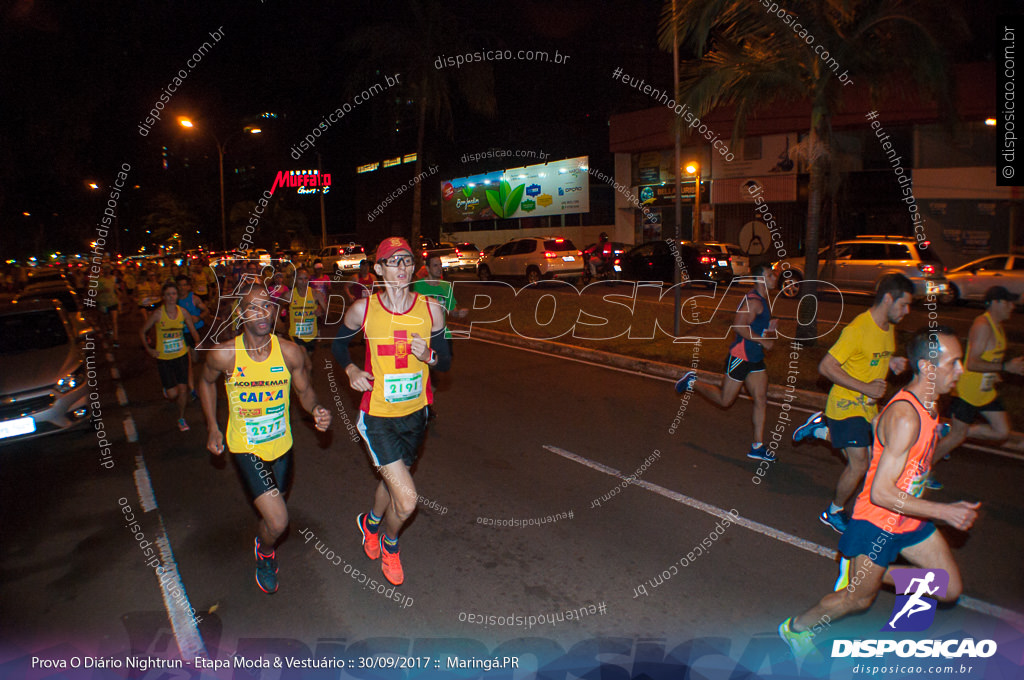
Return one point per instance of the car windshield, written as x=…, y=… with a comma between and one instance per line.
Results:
x=558, y=245
x=353, y=250
x=31, y=330
x=467, y=246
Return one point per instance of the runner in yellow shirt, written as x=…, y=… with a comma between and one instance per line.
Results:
x=305, y=305
x=171, y=352
x=857, y=364
x=404, y=339
x=260, y=370
x=976, y=389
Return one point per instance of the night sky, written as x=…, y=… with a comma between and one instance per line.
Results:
x=79, y=78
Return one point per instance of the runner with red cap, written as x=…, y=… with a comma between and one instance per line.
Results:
x=404, y=339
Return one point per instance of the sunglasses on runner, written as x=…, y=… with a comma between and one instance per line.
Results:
x=398, y=261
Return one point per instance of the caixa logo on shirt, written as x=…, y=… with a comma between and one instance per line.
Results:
x=917, y=593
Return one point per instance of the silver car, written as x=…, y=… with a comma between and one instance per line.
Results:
x=855, y=266
x=43, y=387
x=970, y=281
x=343, y=258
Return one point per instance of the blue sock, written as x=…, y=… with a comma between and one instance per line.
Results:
x=372, y=522
x=390, y=544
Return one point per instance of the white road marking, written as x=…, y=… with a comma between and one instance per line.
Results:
x=129, y=430
x=122, y=396
x=143, y=485
x=1015, y=619
x=110, y=358
x=179, y=609
x=114, y=373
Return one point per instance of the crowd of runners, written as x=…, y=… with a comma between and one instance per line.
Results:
x=259, y=325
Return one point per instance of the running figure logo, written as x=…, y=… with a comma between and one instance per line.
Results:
x=914, y=609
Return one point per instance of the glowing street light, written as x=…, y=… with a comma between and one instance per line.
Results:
x=187, y=122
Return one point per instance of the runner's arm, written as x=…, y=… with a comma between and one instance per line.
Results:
x=150, y=322
x=191, y=325
x=438, y=341
x=741, y=324
x=833, y=370
x=358, y=379
x=898, y=429
x=295, y=360
x=219, y=361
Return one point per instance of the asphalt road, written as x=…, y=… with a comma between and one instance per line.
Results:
x=520, y=436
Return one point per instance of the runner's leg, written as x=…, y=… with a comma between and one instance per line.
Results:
x=857, y=459
x=757, y=387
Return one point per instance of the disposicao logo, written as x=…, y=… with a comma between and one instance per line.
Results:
x=917, y=593
x=914, y=609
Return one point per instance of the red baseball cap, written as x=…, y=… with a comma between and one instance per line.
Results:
x=392, y=245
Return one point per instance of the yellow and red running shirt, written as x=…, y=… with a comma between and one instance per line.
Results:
x=401, y=382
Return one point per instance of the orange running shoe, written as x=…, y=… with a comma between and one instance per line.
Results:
x=391, y=566
x=371, y=541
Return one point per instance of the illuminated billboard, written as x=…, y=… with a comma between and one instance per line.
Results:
x=556, y=188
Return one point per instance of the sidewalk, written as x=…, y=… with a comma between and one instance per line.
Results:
x=810, y=400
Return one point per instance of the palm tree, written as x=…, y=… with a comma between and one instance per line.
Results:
x=752, y=59
x=413, y=40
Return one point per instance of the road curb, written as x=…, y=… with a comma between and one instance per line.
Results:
x=804, y=398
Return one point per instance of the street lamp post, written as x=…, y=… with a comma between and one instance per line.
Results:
x=187, y=123
x=694, y=169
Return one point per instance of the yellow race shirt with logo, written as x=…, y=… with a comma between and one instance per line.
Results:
x=863, y=350
x=977, y=388
x=401, y=382
x=170, y=335
x=302, y=315
x=258, y=400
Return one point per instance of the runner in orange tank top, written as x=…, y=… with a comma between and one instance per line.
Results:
x=890, y=518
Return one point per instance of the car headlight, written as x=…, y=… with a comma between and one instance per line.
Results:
x=71, y=380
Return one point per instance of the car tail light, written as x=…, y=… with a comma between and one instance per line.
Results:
x=559, y=240
x=927, y=268
x=549, y=255
x=706, y=260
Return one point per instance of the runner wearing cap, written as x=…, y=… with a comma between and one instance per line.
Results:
x=404, y=339
x=976, y=390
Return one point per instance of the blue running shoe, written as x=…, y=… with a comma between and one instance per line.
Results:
x=812, y=428
x=934, y=485
x=266, y=570
x=943, y=430
x=836, y=520
x=685, y=384
x=761, y=453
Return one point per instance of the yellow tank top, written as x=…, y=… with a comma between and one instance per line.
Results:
x=258, y=400
x=401, y=382
x=302, y=315
x=170, y=335
x=976, y=388
x=199, y=283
